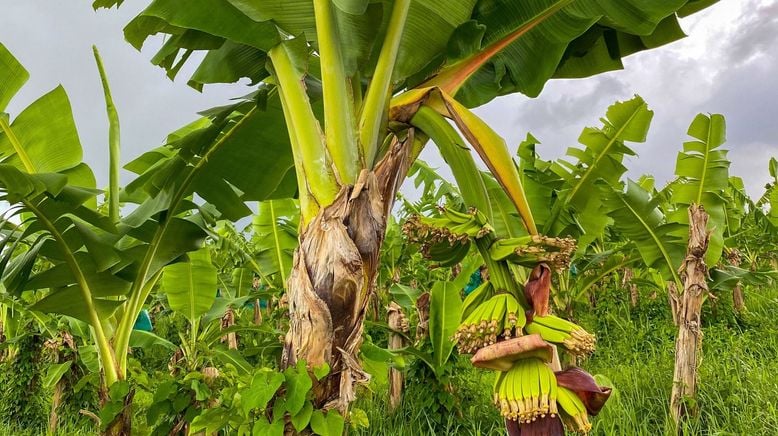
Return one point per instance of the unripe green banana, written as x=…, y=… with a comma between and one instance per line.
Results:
x=486, y=323
x=562, y=332
x=574, y=412
x=475, y=298
x=535, y=390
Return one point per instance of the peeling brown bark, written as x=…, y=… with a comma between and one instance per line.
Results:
x=738, y=300
x=674, y=298
x=694, y=274
x=423, y=310
x=228, y=320
x=397, y=322
x=626, y=282
x=122, y=424
x=333, y=275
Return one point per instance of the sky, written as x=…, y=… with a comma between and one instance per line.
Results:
x=727, y=65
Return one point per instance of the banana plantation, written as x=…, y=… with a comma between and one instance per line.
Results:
x=287, y=263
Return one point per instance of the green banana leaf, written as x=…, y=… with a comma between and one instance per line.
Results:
x=445, y=312
x=703, y=170
x=638, y=218
x=12, y=77
x=190, y=286
x=275, y=237
x=515, y=46
x=594, y=167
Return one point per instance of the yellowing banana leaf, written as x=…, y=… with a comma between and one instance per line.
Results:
x=494, y=152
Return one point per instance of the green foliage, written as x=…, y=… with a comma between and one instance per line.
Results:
x=24, y=403
x=636, y=215
x=597, y=168
x=274, y=238
x=445, y=313
x=191, y=286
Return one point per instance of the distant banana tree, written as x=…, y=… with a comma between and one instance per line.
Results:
x=348, y=79
x=100, y=267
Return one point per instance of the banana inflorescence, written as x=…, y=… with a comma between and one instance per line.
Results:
x=562, y=332
x=499, y=316
x=527, y=391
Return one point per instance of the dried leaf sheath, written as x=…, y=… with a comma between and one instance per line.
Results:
x=333, y=276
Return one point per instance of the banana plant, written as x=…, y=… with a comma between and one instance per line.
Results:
x=102, y=267
x=349, y=76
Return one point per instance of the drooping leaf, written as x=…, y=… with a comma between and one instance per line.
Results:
x=445, y=313
x=404, y=295
x=275, y=237
x=144, y=339
x=527, y=43
x=55, y=373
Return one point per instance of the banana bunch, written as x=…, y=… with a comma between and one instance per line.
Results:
x=451, y=226
x=562, y=332
x=500, y=316
x=574, y=413
x=446, y=239
x=527, y=391
x=534, y=249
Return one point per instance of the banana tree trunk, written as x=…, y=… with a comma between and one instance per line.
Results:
x=738, y=300
x=228, y=320
x=122, y=423
x=396, y=323
x=674, y=297
x=626, y=282
x=688, y=345
x=333, y=275
x=258, y=312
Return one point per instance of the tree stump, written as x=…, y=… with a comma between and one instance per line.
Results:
x=398, y=323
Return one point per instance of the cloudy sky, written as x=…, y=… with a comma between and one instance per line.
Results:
x=728, y=65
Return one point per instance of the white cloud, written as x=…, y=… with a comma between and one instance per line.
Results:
x=728, y=64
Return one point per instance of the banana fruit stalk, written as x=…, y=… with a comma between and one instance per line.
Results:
x=527, y=391
x=500, y=316
x=562, y=332
x=574, y=413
